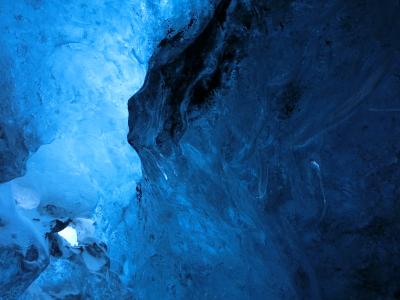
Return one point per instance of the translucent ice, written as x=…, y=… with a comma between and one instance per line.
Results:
x=68, y=69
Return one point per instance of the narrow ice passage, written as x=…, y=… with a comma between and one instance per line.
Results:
x=70, y=68
x=267, y=132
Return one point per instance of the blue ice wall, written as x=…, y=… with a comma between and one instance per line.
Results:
x=264, y=160
x=67, y=71
x=270, y=147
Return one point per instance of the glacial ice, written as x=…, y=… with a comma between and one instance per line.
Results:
x=68, y=69
x=266, y=151
x=261, y=152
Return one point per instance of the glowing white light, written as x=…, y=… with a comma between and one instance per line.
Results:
x=69, y=234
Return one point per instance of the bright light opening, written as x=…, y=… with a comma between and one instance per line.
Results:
x=69, y=234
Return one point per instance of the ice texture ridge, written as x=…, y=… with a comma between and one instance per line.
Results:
x=270, y=154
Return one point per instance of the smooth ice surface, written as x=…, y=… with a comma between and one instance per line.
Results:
x=270, y=147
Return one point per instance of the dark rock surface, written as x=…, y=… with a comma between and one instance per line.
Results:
x=270, y=147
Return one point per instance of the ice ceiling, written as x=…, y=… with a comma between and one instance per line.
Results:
x=199, y=149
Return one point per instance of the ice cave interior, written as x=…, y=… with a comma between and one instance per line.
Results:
x=199, y=149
